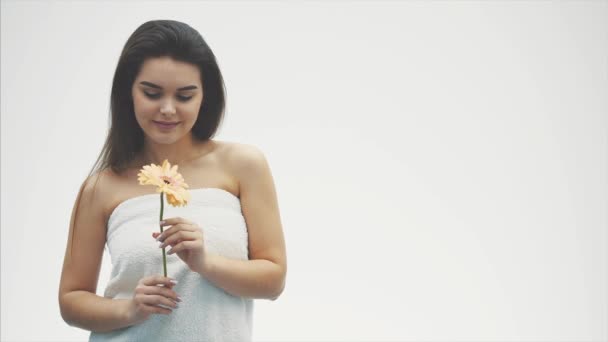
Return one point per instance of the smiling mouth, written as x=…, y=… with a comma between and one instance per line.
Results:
x=166, y=126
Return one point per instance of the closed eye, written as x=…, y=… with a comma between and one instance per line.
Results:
x=157, y=95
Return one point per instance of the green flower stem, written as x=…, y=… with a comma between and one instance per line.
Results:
x=161, y=231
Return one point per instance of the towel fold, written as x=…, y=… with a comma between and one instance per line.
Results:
x=207, y=313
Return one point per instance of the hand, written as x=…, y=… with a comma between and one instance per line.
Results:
x=148, y=295
x=186, y=239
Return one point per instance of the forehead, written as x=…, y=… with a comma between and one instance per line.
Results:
x=168, y=72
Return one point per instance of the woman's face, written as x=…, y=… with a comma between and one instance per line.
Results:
x=166, y=90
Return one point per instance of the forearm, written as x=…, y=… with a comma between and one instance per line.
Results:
x=91, y=312
x=257, y=278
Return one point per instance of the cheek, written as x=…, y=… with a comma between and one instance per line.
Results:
x=143, y=106
x=190, y=109
x=194, y=108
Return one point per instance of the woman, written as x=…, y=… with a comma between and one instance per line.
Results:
x=227, y=244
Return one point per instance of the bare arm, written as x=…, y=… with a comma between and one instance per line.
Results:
x=263, y=275
x=79, y=304
x=245, y=278
x=89, y=311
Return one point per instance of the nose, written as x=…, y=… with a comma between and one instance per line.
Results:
x=167, y=107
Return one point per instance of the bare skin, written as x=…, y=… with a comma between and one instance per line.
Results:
x=210, y=170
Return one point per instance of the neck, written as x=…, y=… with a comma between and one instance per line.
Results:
x=180, y=153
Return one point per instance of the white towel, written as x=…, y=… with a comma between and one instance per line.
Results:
x=206, y=313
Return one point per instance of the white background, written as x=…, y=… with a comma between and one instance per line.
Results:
x=441, y=166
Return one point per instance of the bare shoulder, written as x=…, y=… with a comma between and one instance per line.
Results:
x=97, y=185
x=108, y=186
x=243, y=159
x=249, y=166
x=91, y=196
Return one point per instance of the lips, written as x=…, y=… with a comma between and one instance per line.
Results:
x=165, y=126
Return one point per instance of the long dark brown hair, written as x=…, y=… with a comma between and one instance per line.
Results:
x=156, y=38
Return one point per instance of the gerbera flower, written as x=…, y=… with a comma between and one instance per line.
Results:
x=167, y=180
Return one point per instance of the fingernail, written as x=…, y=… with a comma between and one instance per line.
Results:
x=162, y=222
x=173, y=281
x=179, y=299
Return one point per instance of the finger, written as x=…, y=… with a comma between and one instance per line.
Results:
x=185, y=227
x=163, y=291
x=151, y=308
x=178, y=237
x=157, y=236
x=157, y=309
x=168, y=231
x=172, y=221
x=158, y=301
x=184, y=245
x=156, y=279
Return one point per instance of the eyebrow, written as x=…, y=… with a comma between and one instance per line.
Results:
x=149, y=84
